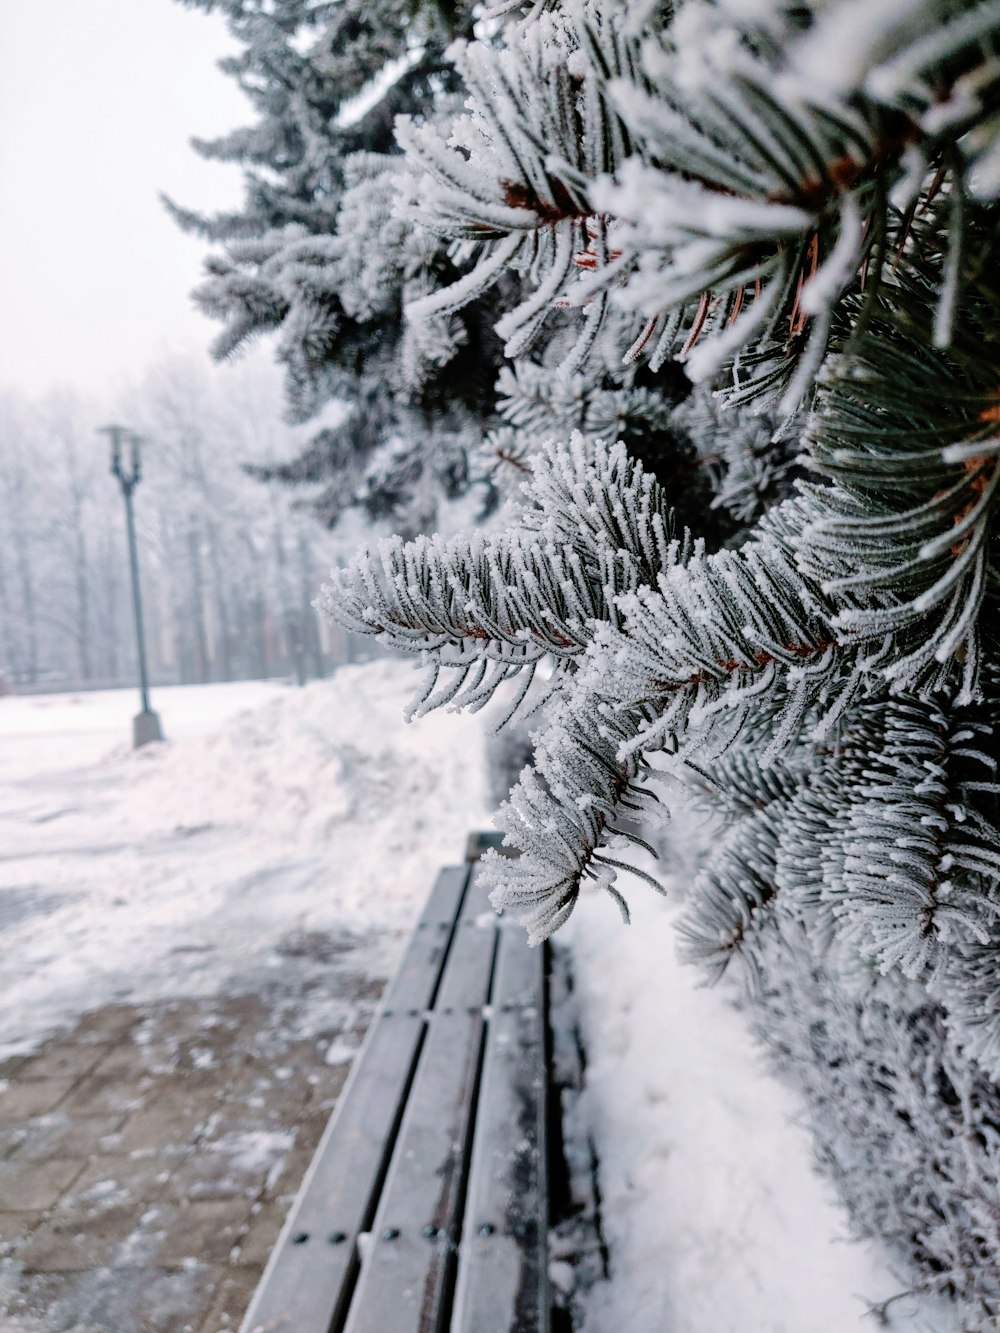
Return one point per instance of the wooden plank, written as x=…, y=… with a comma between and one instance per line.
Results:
x=468, y=973
x=414, y=984
x=446, y=896
x=309, y=1277
x=520, y=974
x=405, y=1278
x=307, y=1284
x=502, y=1273
x=484, y=840
x=477, y=905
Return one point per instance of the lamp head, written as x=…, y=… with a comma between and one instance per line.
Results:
x=118, y=435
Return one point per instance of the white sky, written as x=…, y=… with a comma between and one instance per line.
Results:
x=98, y=100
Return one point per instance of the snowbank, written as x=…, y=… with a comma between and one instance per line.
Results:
x=715, y=1218
x=314, y=766
x=177, y=869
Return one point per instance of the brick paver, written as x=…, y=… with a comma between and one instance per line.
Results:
x=28, y=1186
x=149, y=1156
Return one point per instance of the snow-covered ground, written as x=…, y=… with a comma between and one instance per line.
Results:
x=174, y=871
x=715, y=1219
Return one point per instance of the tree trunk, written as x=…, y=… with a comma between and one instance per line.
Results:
x=7, y=643
x=221, y=605
x=29, y=610
x=310, y=625
x=289, y=614
x=83, y=651
x=197, y=604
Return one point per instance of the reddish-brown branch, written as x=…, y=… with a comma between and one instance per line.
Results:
x=588, y=258
x=731, y=665
x=698, y=325
x=815, y=192
x=797, y=319
x=516, y=194
x=480, y=635
x=981, y=469
x=505, y=456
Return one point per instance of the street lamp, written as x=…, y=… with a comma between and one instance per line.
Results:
x=146, y=724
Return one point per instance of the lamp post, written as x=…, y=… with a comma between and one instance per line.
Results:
x=146, y=724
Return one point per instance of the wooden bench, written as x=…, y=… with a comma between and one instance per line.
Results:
x=425, y=1208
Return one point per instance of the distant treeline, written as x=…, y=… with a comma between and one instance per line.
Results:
x=229, y=567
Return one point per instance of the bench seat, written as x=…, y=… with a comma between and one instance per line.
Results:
x=425, y=1207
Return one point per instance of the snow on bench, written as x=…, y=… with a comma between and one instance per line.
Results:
x=425, y=1207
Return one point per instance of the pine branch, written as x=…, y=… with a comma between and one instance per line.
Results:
x=719, y=635
x=918, y=859
x=565, y=817
x=594, y=525
x=907, y=434
x=733, y=896
x=512, y=179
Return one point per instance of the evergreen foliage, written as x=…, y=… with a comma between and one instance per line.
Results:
x=324, y=256
x=786, y=585
x=317, y=256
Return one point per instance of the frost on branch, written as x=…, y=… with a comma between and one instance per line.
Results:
x=566, y=816
x=593, y=525
x=318, y=259
x=907, y=435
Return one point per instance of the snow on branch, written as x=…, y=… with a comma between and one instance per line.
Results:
x=594, y=525
x=566, y=815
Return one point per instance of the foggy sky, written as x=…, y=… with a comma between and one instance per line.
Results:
x=98, y=99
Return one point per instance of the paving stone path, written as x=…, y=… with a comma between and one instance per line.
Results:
x=148, y=1156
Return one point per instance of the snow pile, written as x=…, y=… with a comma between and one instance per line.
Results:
x=49, y=732
x=304, y=765
x=715, y=1218
x=185, y=868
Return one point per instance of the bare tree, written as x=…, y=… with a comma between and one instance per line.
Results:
x=230, y=568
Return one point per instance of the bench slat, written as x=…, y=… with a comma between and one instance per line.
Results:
x=399, y=1147
x=446, y=896
x=520, y=974
x=466, y=980
x=413, y=986
x=308, y=1282
x=502, y=1277
x=405, y=1276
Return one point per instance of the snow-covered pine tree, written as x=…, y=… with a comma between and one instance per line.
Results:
x=798, y=202
x=317, y=256
x=325, y=255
